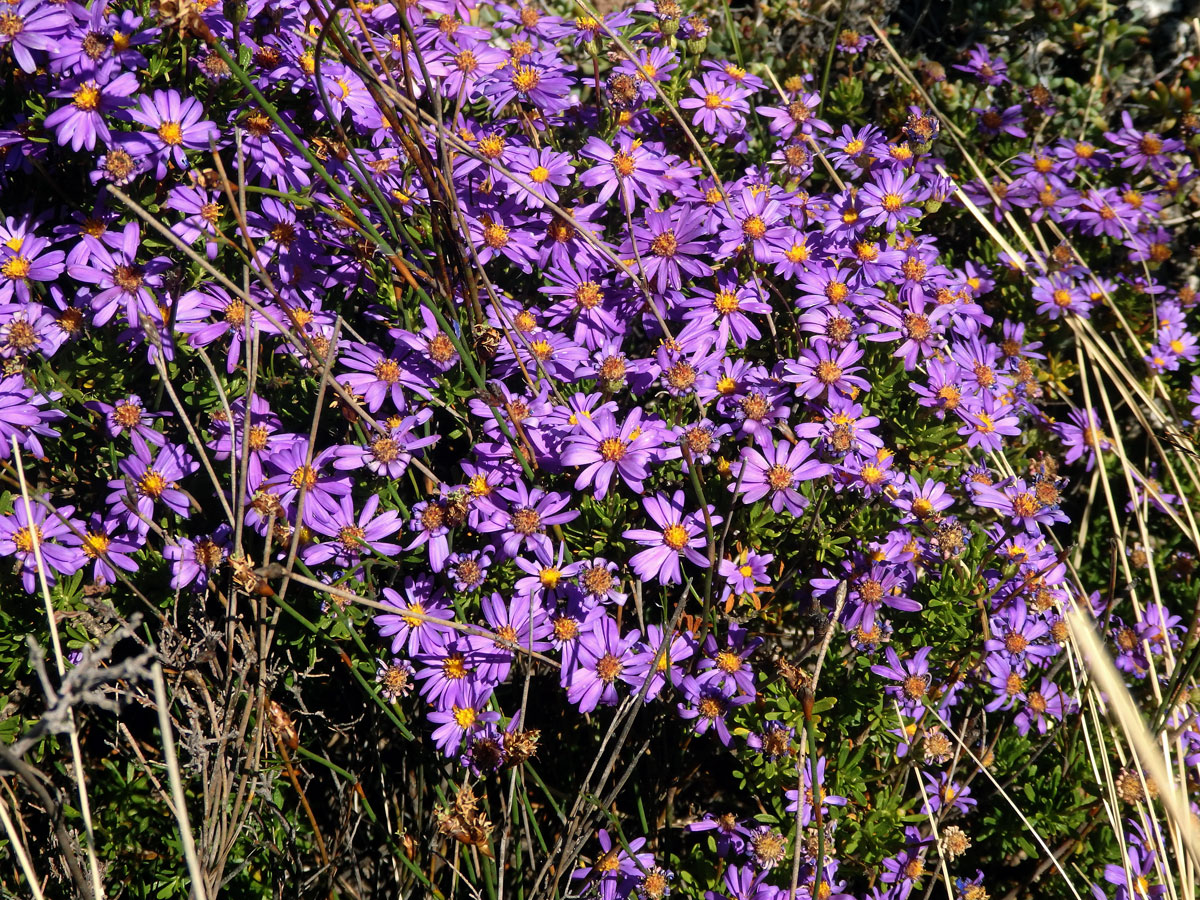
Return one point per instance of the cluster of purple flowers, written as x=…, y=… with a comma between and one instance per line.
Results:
x=657, y=328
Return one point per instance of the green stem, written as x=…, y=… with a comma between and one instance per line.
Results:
x=837, y=29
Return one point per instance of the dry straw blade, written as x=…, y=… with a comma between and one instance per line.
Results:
x=1115, y=696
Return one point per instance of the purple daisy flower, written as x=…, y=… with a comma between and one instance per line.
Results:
x=979, y=63
x=720, y=106
x=669, y=245
x=726, y=664
x=463, y=716
x=32, y=25
x=387, y=454
x=176, y=124
x=415, y=627
x=544, y=171
x=377, y=376
x=56, y=539
x=119, y=279
x=28, y=261
x=911, y=677
x=93, y=94
x=647, y=670
x=614, y=867
x=707, y=705
x=823, y=367
x=678, y=533
x=606, y=448
x=752, y=221
x=106, y=548
x=628, y=165
x=888, y=200
x=353, y=536
x=539, y=80
x=195, y=561
x=154, y=479
x=601, y=658
x=522, y=522
x=1082, y=436
x=778, y=471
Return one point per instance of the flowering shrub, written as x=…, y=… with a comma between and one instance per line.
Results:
x=597, y=455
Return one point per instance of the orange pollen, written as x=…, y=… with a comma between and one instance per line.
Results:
x=828, y=372
x=612, y=449
x=711, y=707
x=351, y=536
x=171, y=133
x=681, y=376
x=915, y=686
x=713, y=101
x=608, y=667
x=728, y=661
x=127, y=414
x=588, y=295
x=892, y=202
x=526, y=520
x=917, y=325
x=780, y=478
x=441, y=348
x=304, y=476
x=525, y=79
x=836, y=291
x=87, y=97
x=454, y=667
x=1025, y=504
x=1150, y=145
x=128, y=278
x=726, y=302
x=754, y=228
x=675, y=536
x=152, y=484
x=16, y=268
x=665, y=244
x=492, y=146
x=754, y=406
x=235, y=313
x=495, y=235
x=24, y=538
x=95, y=544
x=1015, y=642
x=387, y=370
x=565, y=629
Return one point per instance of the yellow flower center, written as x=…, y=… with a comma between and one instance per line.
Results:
x=171, y=133
x=87, y=97
x=16, y=268
x=675, y=536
